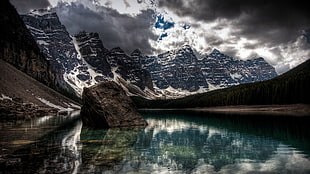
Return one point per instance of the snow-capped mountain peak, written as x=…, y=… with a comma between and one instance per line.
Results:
x=41, y=12
x=82, y=60
x=182, y=71
x=136, y=52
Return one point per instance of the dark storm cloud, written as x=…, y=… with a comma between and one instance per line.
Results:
x=213, y=40
x=115, y=29
x=272, y=22
x=24, y=6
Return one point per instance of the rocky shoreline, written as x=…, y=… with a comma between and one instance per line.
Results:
x=16, y=109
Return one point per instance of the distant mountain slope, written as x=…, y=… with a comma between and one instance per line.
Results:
x=18, y=85
x=22, y=68
x=290, y=88
x=181, y=73
x=18, y=47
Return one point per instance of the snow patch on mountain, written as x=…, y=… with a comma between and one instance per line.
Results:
x=235, y=75
x=76, y=46
x=214, y=87
x=72, y=77
x=40, y=12
x=4, y=97
x=48, y=103
x=170, y=92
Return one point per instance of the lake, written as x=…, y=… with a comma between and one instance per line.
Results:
x=173, y=142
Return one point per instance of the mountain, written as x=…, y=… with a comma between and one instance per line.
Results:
x=54, y=41
x=18, y=47
x=18, y=91
x=289, y=88
x=113, y=65
x=82, y=60
x=224, y=71
x=175, y=73
x=182, y=71
x=22, y=67
x=94, y=53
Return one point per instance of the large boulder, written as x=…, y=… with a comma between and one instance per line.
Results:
x=106, y=105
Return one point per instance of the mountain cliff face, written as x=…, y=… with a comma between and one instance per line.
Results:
x=93, y=52
x=178, y=69
x=18, y=47
x=182, y=71
x=127, y=68
x=82, y=60
x=221, y=70
x=54, y=41
x=113, y=64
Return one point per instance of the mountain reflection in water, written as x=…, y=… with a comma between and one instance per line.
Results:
x=173, y=142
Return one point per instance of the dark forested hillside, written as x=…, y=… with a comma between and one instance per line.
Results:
x=290, y=88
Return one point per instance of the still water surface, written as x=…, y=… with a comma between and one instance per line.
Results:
x=173, y=142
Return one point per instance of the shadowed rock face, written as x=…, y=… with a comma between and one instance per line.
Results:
x=18, y=48
x=106, y=105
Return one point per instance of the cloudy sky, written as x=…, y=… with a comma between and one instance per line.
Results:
x=275, y=30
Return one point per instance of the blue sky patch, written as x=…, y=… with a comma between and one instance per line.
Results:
x=162, y=24
x=162, y=36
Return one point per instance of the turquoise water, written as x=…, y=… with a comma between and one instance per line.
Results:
x=173, y=142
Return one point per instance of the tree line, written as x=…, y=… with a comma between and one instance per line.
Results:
x=289, y=88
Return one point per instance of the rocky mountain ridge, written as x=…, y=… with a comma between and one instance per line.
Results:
x=81, y=60
x=54, y=41
x=84, y=61
x=181, y=71
x=225, y=71
x=111, y=63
